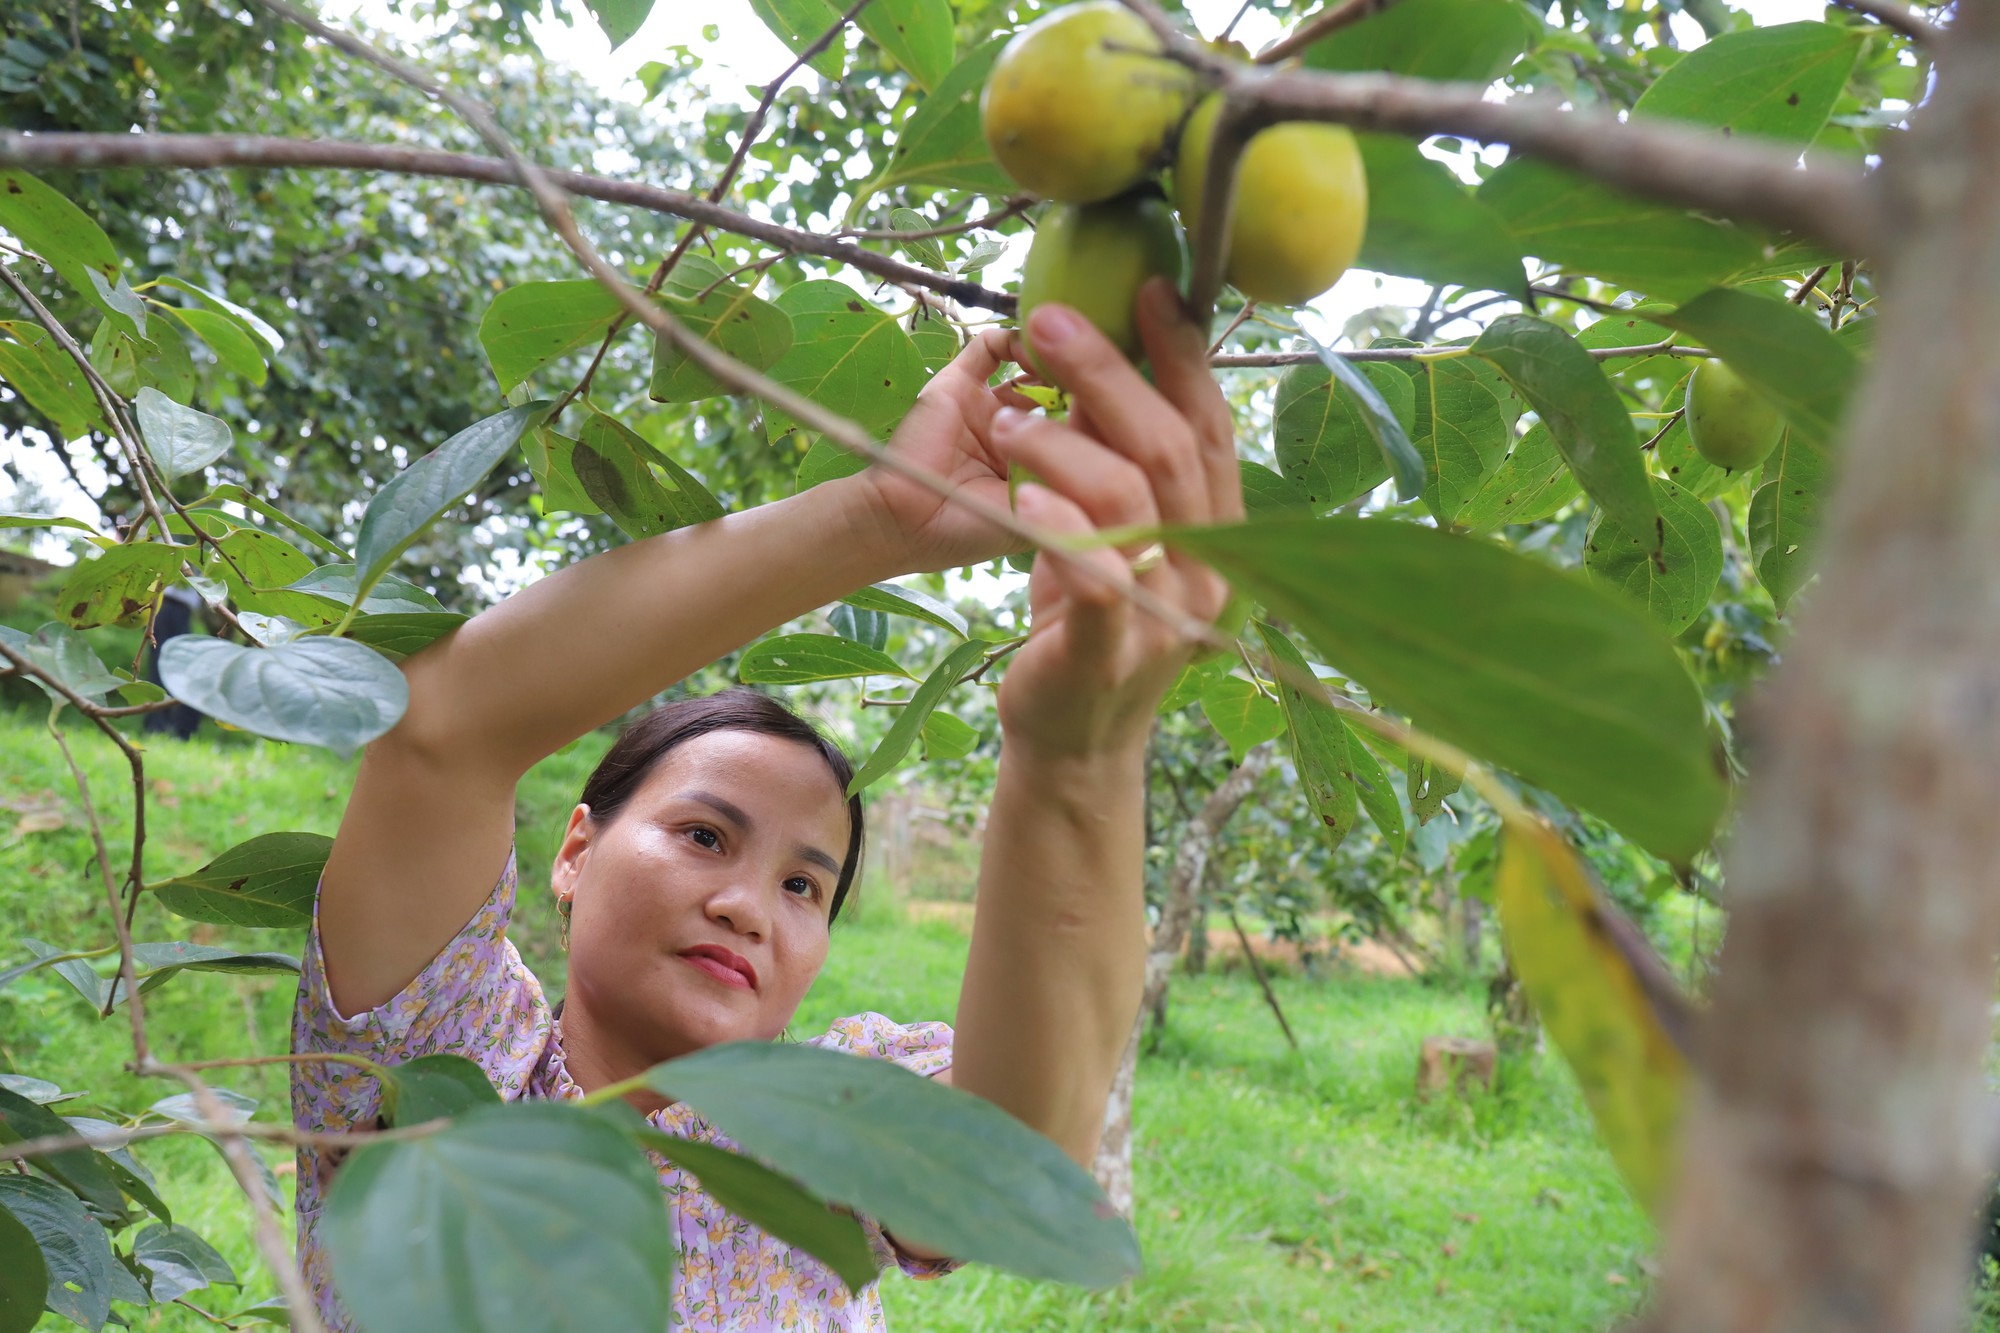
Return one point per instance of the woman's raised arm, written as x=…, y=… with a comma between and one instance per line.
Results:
x=428, y=826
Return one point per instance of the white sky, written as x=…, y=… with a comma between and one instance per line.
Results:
x=743, y=54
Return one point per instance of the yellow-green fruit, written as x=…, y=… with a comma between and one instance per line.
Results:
x=1082, y=104
x=1095, y=257
x=1729, y=423
x=1301, y=204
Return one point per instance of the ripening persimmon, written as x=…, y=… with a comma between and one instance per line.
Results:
x=1729, y=422
x=1095, y=257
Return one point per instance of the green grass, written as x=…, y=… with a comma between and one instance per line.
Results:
x=1275, y=1190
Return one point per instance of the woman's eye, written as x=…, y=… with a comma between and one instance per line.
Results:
x=802, y=886
x=706, y=837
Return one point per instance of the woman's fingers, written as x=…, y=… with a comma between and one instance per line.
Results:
x=1093, y=583
x=1109, y=489
x=1128, y=413
x=1178, y=349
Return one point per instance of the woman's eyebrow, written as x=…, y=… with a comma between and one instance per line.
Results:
x=740, y=817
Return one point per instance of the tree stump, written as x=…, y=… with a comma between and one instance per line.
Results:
x=1451, y=1063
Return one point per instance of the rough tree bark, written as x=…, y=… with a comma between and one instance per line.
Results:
x=1836, y=1153
x=1113, y=1165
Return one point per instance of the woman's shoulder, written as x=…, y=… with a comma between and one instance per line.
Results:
x=922, y=1048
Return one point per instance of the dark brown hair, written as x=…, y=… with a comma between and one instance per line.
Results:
x=641, y=746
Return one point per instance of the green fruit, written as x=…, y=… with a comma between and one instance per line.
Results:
x=1729, y=423
x=1082, y=104
x=1301, y=204
x=1095, y=257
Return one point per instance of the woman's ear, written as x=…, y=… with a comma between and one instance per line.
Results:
x=571, y=855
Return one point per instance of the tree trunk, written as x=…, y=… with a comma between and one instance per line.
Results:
x=1113, y=1164
x=1836, y=1153
x=1196, y=961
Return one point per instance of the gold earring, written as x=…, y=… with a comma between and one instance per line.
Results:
x=563, y=906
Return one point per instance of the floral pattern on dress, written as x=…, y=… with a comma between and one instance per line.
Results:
x=477, y=999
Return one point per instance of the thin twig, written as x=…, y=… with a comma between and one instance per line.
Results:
x=1805, y=291
x=1263, y=982
x=1013, y=209
x=1234, y=19
x=1322, y=24
x=61, y=151
x=1239, y=360
x=111, y=1139
x=1242, y=316
x=1898, y=17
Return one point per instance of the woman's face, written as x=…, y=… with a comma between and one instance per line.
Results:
x=699, y=911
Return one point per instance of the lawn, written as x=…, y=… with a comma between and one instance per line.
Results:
x=1276, y=1190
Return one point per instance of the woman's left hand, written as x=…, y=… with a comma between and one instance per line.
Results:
x=1095, y=667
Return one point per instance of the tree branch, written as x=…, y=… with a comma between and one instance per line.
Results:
x=1322, y=24
x=206, y=151
x=1900, y=18
x=1241, y=360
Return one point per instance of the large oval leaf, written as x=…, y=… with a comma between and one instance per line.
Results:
x=1675, y=581
x=792, y=659
x=1424, y=223
x=24, y=1278
x=1465, y=416
x=329, y=692
x=434, y=483
x=1321, y=434
x=936, y=1166
x=1780, y=82
x=941, y=143
x=267, y=881
x=75, y=1248
x=1526, y=666
x=534, y=323
x=848, y=356
x=1786, y=354
x=896, y=600
x=527, y=1217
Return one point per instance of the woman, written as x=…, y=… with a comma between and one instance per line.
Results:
x=702, y=869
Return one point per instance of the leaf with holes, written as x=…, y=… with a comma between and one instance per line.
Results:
x=120, y=585
x=1379, y=420
x=1465, y=417
x=1324, y=447
x=620, y=19
x=268, y=881
x=800, y=23
x=1778, y=82
x=937, y=1167
x=329, y=692
x=918, y=33
x=793, y=659
x=1430, y=781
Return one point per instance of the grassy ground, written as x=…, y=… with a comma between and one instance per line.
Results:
x=1276, y=1190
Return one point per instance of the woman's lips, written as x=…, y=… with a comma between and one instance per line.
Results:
x=728, y=968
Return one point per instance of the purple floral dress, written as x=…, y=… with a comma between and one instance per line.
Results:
x=479, y=1000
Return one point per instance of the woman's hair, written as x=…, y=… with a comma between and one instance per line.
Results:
x=641, y=746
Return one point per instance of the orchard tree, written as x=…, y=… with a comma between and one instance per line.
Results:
x=1526, y=564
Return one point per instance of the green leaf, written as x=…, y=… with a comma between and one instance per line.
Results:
x=389, y=596
x=937, y=1167
x=531, y=324
x=1465, y=41
x=247, y=318
x=620, y=18
x=181, y=956
x=81, y=1169
x=1779, y=82
x=1377, y=797
x=827, y=461
x=1384, y=427
x=942, y=144
x=1429, y=783
x=47, y=376
x=847, y=356
x=1533, y=483
x=120, y=585
x=1674, y=584
x=1320, y=433
x=1785, y=353
x=611, y=464
x=64, y=655
x=918, y=33
x=433, y=1087
x=249, y=560
x=1604, y=999
x=923, y=250
x=1424, y=223
x=43, y=521
x=1591, y=427
x=75, y=1249
x=407, y=504
x=1784, y=520
x=257, y=504
x=800, y=23
x=730, y=319
x=132, y=1176
x=1195, y=678
x=268, y=881
x=1320, y=740
x=760, y=1195
x=1243, y=715
x=1569, y=220
x=947, y=736
x=867, y=628
x=527, y=1216
x=1465, y=422
x=180, y=439
x=902, y=734
x=1265, y=492
x=235, y=350
x=75, y=246
x=896, y=600
x=1529, y=667
x=179, y=1261
x=792, y=659
x=185, y=1109
x=329, y=692
x=24, y=1278
x=397, y=636
x=551, y=458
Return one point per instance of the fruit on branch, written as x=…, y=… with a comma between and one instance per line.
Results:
x=1301, y=204
x=1729, y=422
x=1095, y=257
x=1082, y=105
